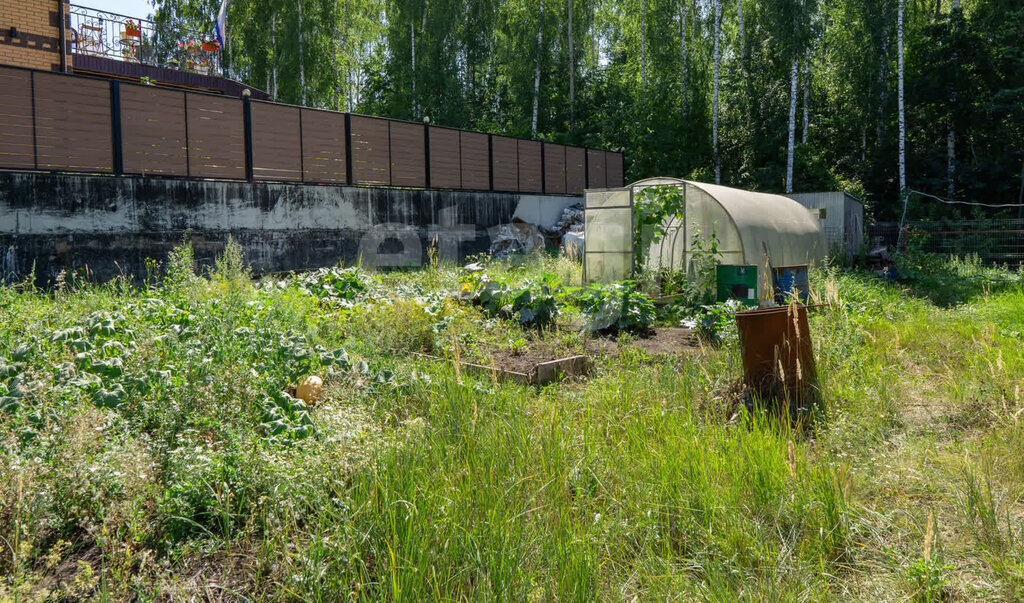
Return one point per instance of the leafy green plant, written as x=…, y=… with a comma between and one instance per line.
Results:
x=615, y=307
x=928, y=579
x=334, y=285
x=713, y=321
x=535, y=303
x=651, y=209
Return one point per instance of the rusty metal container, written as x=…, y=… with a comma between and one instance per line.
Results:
x=778, y=362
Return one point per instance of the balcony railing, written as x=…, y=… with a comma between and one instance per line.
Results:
x=105, y=34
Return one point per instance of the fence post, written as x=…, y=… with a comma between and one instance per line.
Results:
x=115, y=126
x=35, y=131
x=188, y=142
x=543, y=170
x=586, y=168
x=302, y=151
x=490, y=162
x=247, y=127
x=426, y=151
x=348, y=148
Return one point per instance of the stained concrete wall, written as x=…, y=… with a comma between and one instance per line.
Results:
x=54, y=222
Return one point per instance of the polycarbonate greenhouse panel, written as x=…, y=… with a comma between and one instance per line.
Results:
x=608, y=226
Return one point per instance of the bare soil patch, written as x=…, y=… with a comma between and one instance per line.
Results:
x=659, y=342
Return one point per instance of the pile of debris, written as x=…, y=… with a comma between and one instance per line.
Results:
x=569, y=230
x=521, y=237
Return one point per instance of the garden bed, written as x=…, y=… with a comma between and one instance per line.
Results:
x=542, y=361
x=527, y=368
x=660, y=341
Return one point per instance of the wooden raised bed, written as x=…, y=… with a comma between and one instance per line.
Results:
x=539, y=374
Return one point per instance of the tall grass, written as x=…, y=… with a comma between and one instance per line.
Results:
x=642, y=481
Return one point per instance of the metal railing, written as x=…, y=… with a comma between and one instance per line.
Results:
x=110, y=35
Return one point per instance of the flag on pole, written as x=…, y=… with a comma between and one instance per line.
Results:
x=222, y=17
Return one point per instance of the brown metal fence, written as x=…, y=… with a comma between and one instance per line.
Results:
x=61, y=122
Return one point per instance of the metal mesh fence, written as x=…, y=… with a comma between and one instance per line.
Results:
x=993, y=241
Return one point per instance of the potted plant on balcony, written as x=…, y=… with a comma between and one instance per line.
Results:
x=132, y=29
x=191, y=48
x=210, y=46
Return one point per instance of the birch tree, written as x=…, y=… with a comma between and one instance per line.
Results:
x=572, y=72
x=807, y=98
x=682, y=54
x=536, y=77
x=302, y=62
x=742, y=42
x=643, y=45
x=951, y=134
x=901, y=110
x=714, y=104
x=792, y=127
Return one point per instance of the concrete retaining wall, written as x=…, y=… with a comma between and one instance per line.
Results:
x=54, y=222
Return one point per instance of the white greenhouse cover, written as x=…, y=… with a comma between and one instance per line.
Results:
x=744, y=222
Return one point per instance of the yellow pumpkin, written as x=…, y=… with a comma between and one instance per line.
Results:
x=310, y=390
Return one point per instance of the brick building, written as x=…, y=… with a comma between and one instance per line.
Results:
x=111, y=46
x=31, y=34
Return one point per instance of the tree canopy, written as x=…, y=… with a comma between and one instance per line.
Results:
x=638, y=76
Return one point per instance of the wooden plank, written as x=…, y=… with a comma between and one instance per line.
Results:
x=445, y=158
x=216, y=137
x=323, y=146
x=531, y=179
x=505, y=163
x=613, y=165
x=371, y=150
x=572, y=366
x=408, y=154
x=575, y=170
x=17, y=135
x=276, y=142
x=73, y=129
x=596, y=174
x=476, y=161
x=545, y=372
x=153, y=131
x=554, y=169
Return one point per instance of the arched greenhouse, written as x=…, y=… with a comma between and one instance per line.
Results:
x=751, y=229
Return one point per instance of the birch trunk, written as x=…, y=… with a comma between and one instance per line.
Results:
x=336, y=51
x=682, y=53
x=643, y=45
x=902, y=120
x=273, y=53
x=714, y=104
x=347, y=68
x=572, y=74
x=882, y=74
x=743, y=46
x=536, y=74
x=302, y=70
x=792, y=128
x=412, y=73
x=807, y=98
x=951, y=135
x=902, y=114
